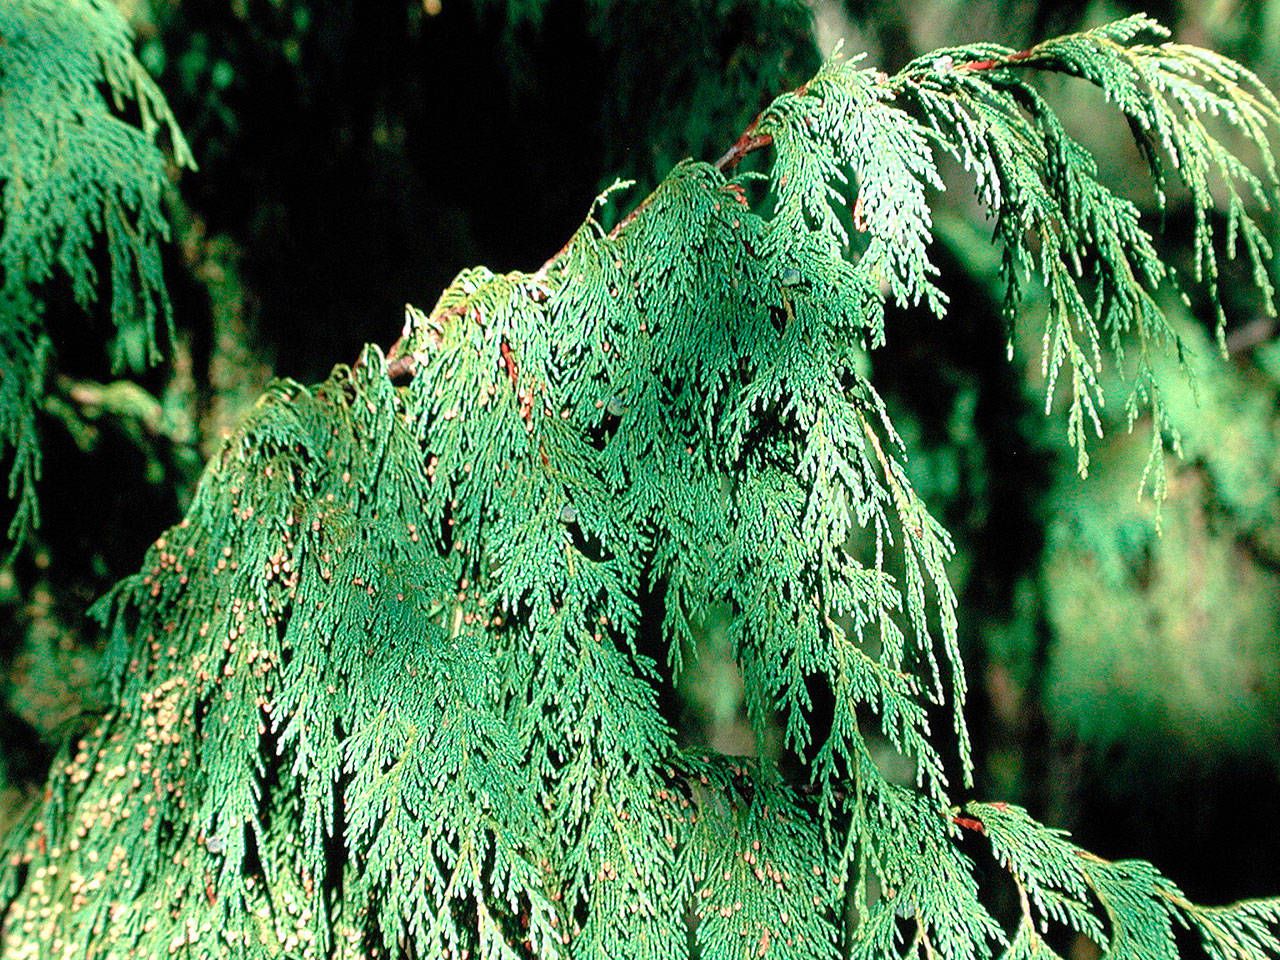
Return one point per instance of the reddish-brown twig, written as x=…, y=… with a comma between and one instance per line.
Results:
x=749, y=142
x=973, y=66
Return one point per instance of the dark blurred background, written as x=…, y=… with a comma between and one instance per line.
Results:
x=355, y=154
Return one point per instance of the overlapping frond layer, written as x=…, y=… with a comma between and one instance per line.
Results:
x=1053, y=217
x=80, y=172
x=392, y=687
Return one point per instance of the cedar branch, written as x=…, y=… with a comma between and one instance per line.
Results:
x=749, y=142
x=402, y=364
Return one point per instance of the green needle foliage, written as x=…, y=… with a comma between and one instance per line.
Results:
x=80, y=172
x=391, y=688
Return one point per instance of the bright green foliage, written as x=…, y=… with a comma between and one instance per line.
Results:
x=1099, y=268
x=76, y=177
x=391, y=688
x=1125, y=907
